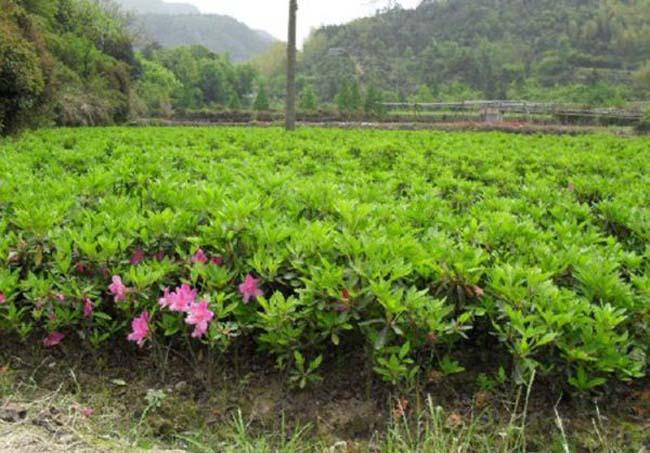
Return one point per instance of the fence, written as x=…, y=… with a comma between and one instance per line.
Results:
x=562, y=112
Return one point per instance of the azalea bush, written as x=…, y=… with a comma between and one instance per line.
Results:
x=413, y=248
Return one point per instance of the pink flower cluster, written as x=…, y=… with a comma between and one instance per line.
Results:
x=140, y=327
x=180, y=300
x=184, y=300
x=199, y=316
x=249, y=289
x=118, y=289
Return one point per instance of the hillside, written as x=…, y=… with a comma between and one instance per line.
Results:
x=176, y=24
x=586, y=50
x=65, y=63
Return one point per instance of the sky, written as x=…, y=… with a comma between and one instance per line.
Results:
x=271, y=15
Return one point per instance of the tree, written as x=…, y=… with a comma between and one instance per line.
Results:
x=349, y=98
x=291, y=68
x=157, y=87
x=372, y=105
x=234, y=103
x=423, y=95
x=212, y=81
x=343, y=98
x=262, y=100
x=355, y=97
x=308, y=99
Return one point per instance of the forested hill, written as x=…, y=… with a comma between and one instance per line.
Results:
x=582, y=50
x=176, y=24
x=72, y=63
x=63, y=62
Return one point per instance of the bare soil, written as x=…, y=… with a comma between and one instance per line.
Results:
x=76, y=400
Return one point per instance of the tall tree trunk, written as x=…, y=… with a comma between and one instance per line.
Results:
x=290, y=114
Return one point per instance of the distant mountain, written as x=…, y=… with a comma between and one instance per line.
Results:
x=178, y=24
x=266, y=35
x=157, y=7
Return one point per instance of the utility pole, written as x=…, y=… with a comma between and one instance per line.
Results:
x=290, y=113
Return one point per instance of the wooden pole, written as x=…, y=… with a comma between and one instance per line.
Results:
x=290, y=114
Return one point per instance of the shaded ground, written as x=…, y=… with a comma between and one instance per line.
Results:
x=71, y=401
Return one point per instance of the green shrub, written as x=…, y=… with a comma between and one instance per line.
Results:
x=418, y=251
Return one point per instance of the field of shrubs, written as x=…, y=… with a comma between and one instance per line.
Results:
x=414, y=250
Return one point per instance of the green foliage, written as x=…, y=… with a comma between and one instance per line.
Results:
x=192, y=78
x=22, y=80
x=68, y=61
x=598, y=93
x=304, y=374
x=586, y=48
x=373, y=103
x=642, y=79
x=308, y=99
x=408, y=248
x=349, y=98
x=261, y=100
x=423, y=95
x=157, y=87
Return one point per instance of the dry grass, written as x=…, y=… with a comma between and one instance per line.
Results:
x=35, y=422
x=51, y=423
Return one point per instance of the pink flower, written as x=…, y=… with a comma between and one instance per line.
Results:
x=87, y=412
x=179, y=300
x=165, y=300
x=200, y=257
x=60, y=297
x=88, y=308
x=160, y=255
x=199, y=316
x=217, y=260
x=249, y=289
x=138, y=256
x=140, y=327
x=53, y=339
x=3, y=298
x=118, y=289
